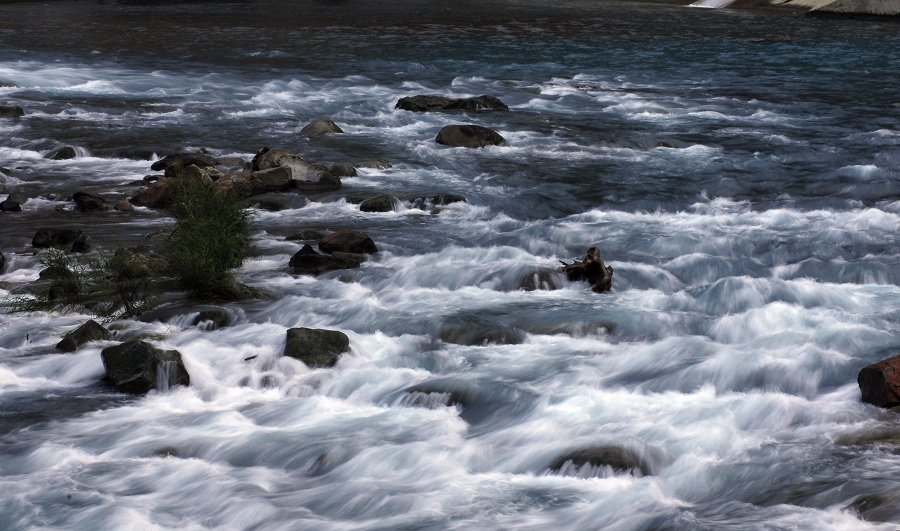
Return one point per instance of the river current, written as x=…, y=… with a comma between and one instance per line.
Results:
x=739, y=169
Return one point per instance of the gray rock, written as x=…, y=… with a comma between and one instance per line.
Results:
x=879, y=383
x=10, y=205
x=179, y=161
x=423, y=103
x=137, y=367
x=63, y=153
x=316, y=347
x=343, y=169
x=380, y=203
x=433, y=102
x=425, y=203
x=66, y=239
x=87, y=202
x=233, y=162
x=304, y=175
x=276, y=202
x=321, y=126
x=348, y=241
x=468, y=135
x=89, y=331
x=307, y=261
x=619, y=459
x=378, y=164
x=11, y=111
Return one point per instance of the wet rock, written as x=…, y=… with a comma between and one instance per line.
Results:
x=377, y=164
x=540, y=279
x=89, y=331
x=432, y=102
x=149, y=179
x=196, y=174
x=277, y=202
x=233, y=162
x=468, y=135
x=18, y=197
x=483, y=403
x=348, y=241
x=304, y=175
x=424, y=203
x=592, y=270
x=380, y=203
x=306, y=235
x=212, y=318
x=157, y=195
x=63, y=153
x=65, y=239
x=10, y=205
x=620, y=459
x=316, y=347
x=343, y=169
x=178, y=161
x=138, y=262
x=87, y=202
x=307, y=261
x=137, y=367
x=877, y=507
x=124, y=206
x=11, y=111
x=477, y=335
x=321, y=126
x=880, y=383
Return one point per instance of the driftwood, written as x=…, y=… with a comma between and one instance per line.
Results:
x=591, y=269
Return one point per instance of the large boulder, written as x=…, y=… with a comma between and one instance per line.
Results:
x=307, y=261
x=619, y=459
x=304, y=174
x=179, y=161
x=321, y=126
x=66, y=239
x=87, y=202
x=138, y=367
x=89, y=331
x=880, y=383
x=11, y=111
x=433, y=102
x=63, y=153
x=468, y=135
x=316, y=347
x=348, y=241
x=157, y=195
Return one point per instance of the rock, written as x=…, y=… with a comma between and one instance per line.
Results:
x=470, y=136
x=137, y=367
x=271, y=180
x=179, y=161
x=149, y=179
x=233, y=162
x=618, y=458
x=424, y=203
x=10, y=205
x=11, y=111
x=276, y=202
x=87, y=202
x=316, y=347
x=321, y=126
x=193, y=173
x=307, y=261
x=305, y=175
x=432, y=102
x=138, y=262
x=124, y=206
x=377, y=164
x=343, y=169
x=880, y=383
x=157, y=195
x=18, y=197
x=591, y=269
x=212, y=318
x=2, y=261
x=306, y=235
x=63, y=153
x=380, y=203
x=475, y=335
x=540, y=279
x=89, y=331
x=67, y=239
x=347, y=241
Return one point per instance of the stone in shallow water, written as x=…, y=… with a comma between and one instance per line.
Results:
x=307, y=261
x=468, y=135
x=88, y=202
x=618, y=458
x=63, y=153
x=89, y=331
x=138, y=367
x=11, y=111
x=380, y=203
x=67, y=239
x=879, y=383
x=348, y=241
x=321, y=126
x=316, y=347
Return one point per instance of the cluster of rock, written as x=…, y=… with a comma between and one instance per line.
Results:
x=458, y=135
x=343, y=249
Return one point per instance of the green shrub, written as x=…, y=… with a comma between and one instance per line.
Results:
x=211, y=237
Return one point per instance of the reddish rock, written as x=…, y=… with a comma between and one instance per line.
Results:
x=880, y=383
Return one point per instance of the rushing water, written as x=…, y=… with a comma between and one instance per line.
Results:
x=740, y=170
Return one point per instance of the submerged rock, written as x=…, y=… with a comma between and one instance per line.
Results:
x=87, y=202
x=179, y=161
x=89, y=331
x=11, y=111
x=468, y=135
x=620, y=459
x=307, y=261
x=137, y=367
x=380, y=203
x=433, y=102
x=63, y=153
x=316, y=347
x=66, y=239
x=303, y=174
x=477, y=335
x=540, y=279
x=880, y=383
x=592, y=270
x=348, y=241
x=321, y=126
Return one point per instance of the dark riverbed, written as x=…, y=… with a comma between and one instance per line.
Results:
x=740, y=170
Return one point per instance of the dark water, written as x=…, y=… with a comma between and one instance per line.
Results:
x=740, y=169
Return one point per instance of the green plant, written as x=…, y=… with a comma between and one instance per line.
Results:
x=103, y=284
x=211, y=237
